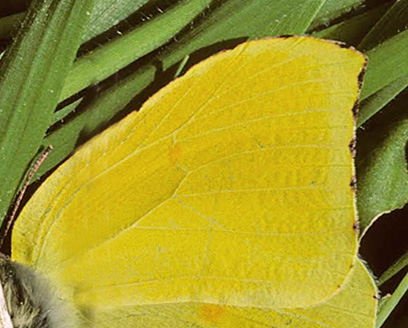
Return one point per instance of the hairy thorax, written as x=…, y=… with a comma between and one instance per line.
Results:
x=30, y=300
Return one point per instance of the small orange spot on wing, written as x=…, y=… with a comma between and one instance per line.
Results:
x=212, y=312
x=175, y=153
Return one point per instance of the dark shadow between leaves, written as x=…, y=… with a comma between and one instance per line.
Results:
x=367, y=5
x=383, y=244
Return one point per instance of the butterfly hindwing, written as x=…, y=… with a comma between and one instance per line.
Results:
x=354, y=306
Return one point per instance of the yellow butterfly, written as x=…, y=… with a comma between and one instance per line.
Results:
x=224, y=202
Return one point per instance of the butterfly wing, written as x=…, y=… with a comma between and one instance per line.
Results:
x=230, y=186
x=354, y=306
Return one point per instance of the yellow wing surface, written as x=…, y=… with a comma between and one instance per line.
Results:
x=353, y=307
x=231, y=186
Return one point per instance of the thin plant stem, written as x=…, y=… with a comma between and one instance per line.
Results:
x=395, y=268
x=392, y=302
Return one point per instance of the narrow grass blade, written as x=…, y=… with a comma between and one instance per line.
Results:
x=108, y=13
x=333, y=10
x=395, y=268
x=382, y=175
x=392, y=302
x=393, y=22
x=373, y=104
x=105, y=15
x=32, y=77
x=386, y=63
x=181, y=67
x=353, y=30
x=65, y=111
x=115, y=55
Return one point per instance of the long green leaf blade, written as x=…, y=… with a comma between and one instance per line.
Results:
x=382, y=175
x=392, y=302
x=115, y=55
x=395, y=268
x=393, y=22
x=107, y=13
x=353, y=30
x=31, y=79
x=334, y=9
x=386, y=63
x=373, y=104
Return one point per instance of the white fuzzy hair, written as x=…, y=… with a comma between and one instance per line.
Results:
x=31, y=301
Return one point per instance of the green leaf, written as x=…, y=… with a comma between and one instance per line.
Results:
x=382, y=175
x=393, y=22
x=392, y=302
x=381, y=166
x=353, y=30
x=105, y=15
x=10, y=24
x=395, y=268
x=333, y=10
x=386, y=63
x=32, y=77
x=238, y=20
x=181, y=66
x=234, y=20
x=115, y=55
x=108, y=13
x=373, y=104
x=65, y=111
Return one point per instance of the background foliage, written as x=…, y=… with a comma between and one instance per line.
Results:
x=128, y=49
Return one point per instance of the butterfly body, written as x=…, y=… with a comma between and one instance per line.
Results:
x=31, y=300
